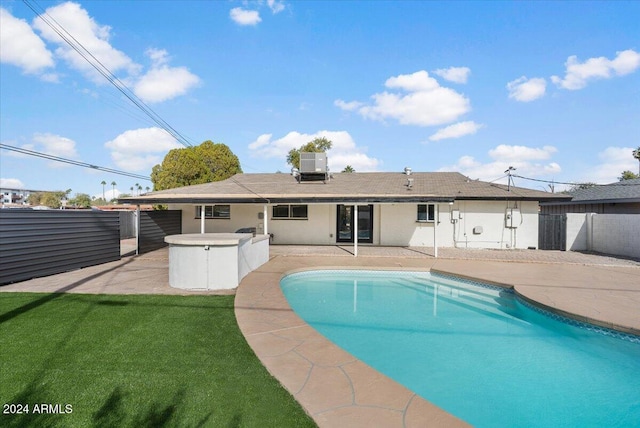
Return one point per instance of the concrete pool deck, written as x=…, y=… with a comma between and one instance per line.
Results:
x=334, y=387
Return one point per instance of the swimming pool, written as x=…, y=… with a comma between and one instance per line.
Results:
x=476, y=351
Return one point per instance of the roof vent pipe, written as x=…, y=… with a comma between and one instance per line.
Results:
x=407, y=170
x=409, y=183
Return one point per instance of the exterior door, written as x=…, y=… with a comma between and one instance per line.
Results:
x=345, y=224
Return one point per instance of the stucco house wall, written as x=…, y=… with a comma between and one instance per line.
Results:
x=395, y=224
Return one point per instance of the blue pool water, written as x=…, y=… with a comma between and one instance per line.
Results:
x=476, y=351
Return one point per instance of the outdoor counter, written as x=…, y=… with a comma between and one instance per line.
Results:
x=214, y=261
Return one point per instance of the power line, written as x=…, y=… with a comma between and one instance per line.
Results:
x=105, y=72
x=72, y=162
x=552, y=181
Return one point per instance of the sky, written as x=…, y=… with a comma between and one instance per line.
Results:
x=549, y=88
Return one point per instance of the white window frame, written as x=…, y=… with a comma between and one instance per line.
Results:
x=210, y=212
x=429, y=212
x=289, y=215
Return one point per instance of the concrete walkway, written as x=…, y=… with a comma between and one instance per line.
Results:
x=335, y=388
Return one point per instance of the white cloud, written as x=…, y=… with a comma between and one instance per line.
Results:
x=426, y=103
x=525, y=90
x=578, y=74
x=11, y=183
x=244, y=17
x=22, y=47
x=55, y=145
x=50, y=144
x=110, y=193
x=456, y=130
x=162, y=82
x=350, y=106
x=343, y=152
x=94, y=37
x=275, y=6
x=516, y=153
x=454, y=74
x=613, y=160
x=141, y=149
x=503, y=156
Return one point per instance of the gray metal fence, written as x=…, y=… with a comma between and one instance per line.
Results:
x=127, y=224
x=552, y=232
x=35, y=243
x=155, y=225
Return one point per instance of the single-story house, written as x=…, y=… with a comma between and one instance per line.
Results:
x=435, y=209
x=621, y=197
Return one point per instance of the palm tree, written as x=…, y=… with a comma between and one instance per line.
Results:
x=348, y=168
x=137, y=187
x=147, y=189
x=113, y=189
x=636, y=154
x=131, y=190
x=104, y=183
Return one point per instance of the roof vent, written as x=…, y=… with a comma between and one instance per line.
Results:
x=409, y=183
x=407, y=170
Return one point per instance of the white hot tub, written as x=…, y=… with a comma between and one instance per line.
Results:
x=214, y=261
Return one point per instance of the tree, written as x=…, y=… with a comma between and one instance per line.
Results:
x=51, y=199
x=81, y=200
x=195, y=165
x=318, y=145
x=628, y=175
x=348, y=168
x=581, y=186
x=104, y=183
x=113, y=190
x=96, y=202
x=636, y=154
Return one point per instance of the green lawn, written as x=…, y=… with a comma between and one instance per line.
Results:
x=134, y=361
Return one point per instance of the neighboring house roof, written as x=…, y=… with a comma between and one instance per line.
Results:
x=618, y=192
x=366, y=187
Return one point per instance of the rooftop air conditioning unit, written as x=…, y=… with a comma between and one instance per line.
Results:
x=313, y=162
x=313, y=167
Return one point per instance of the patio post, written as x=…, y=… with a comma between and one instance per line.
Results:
x=436, y=220
x=355, y=230
x=137, y=229
x=264, y=219
x=202, y=219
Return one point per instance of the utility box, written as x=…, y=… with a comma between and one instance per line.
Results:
x=512, y=218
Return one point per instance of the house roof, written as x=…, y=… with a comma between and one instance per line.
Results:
x=618, y=192
x=367, y=187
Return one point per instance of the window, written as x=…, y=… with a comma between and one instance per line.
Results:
x=290, y=211
x=426, y=212
x=214, y=211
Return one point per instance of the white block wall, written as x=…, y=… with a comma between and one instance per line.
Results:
x=616, y=234
x=577, y=232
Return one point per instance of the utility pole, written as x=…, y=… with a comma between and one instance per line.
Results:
x=510, y=178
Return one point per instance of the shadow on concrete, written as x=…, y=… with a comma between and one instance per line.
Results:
x=52, y=296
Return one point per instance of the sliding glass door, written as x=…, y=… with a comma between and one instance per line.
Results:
x=346, y=224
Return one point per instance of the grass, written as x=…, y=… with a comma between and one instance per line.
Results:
x=134, y=361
